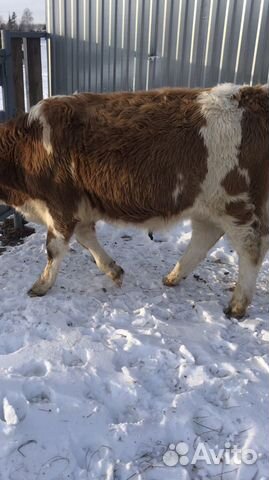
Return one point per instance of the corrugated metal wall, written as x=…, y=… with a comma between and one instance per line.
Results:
x=105, y=45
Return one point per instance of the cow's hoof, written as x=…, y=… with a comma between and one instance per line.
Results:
x=116, y=274
x=235, y=311
x=35, y=293
x=171, y=280
x=38, y=290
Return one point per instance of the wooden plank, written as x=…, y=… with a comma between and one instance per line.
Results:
x=18, y=221
x=33, y=70
x=17, y=71
x=7, y=77
x=5, y=212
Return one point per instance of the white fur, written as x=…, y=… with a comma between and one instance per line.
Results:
x=36, y=113
x=222, y=136
x=86, y=236
x=37, y=211
x=73, y=169
x=247, y=277
x=179, y=188
x=58, y=248
x=204, y=236
x=245, y=174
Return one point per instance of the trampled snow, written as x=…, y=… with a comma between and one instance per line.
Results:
x=100, y=382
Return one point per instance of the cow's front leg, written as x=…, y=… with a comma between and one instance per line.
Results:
x=57, y=246
x=86, y=236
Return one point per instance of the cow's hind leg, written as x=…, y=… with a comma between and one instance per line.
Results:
x=86, y=236
x=57, y=246
x=251, y=250
x=204, y=236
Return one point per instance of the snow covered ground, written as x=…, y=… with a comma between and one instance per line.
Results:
x=98, y=382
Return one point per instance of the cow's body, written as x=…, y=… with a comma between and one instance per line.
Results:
x=146, y=158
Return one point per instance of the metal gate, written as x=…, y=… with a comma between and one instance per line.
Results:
x=105, y=45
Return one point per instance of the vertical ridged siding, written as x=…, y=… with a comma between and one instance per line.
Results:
x=105, y=45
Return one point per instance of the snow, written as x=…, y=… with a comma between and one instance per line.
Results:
x=99, y=382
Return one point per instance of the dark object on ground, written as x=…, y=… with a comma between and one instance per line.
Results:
x=10, y=236
x=150, y=234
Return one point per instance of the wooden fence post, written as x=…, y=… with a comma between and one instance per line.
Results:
x=33, y=70
x=8, y=86
x=13, y=79
x=17, y=71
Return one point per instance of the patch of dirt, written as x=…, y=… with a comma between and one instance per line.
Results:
x=11, y=236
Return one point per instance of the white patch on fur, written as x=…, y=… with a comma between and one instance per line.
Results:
x=179, y=188
x=38, y=212
x=36, y=113
x=73, y=169
x=245, y=174
x=222, y=133
x=87, y=238
x=222, y=136
x=87, y=214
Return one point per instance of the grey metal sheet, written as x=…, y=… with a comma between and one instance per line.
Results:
x=214, y=41
x=261, y=61
x=106, y=45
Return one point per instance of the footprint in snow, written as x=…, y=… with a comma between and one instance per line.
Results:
x=10, y=344
x=100, y=464
x=71, y=359
x=36, y=391
x=220, y=372
x=33, y=369
x=217, y=394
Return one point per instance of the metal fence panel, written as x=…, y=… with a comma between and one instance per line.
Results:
x=106, y=45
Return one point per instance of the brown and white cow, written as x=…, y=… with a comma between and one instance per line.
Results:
x=149, y=159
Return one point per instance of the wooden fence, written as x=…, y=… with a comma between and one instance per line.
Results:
x=20, y=79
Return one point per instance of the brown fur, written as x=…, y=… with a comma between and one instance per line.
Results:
x=132, y=142
x=240, y=211
x=235, y=182
x=125, y=148
x=254, y=151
